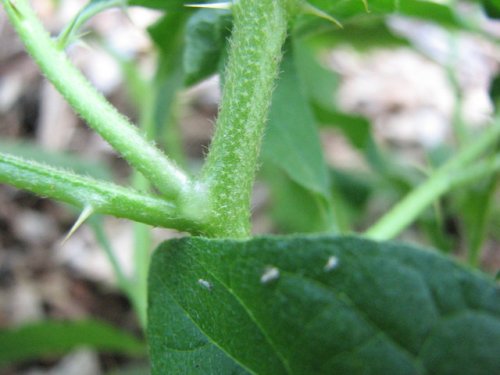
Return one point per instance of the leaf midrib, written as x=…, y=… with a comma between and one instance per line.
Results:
x=278, y=354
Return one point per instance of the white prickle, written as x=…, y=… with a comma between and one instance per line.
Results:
x=86, y=213
x=270, y=274
x=331, y=263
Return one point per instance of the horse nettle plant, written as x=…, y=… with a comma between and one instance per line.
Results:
x=222, y=302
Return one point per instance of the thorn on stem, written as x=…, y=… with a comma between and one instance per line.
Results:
x=86, y=213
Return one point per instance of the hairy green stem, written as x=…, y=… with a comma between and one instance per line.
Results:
x=103, y=197
x=256, y=49
x=458, y=171
x=93, y=107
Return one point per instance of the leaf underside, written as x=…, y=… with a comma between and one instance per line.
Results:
x=318, y=305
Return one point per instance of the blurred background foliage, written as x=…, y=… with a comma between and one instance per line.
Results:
x=361, y=115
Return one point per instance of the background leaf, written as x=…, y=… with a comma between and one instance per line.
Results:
x=329, y=305
x=348, y=10
x=51, y=338
x=207, y=32
x=291, y=139
x=169, y=5
x=31, y=151
x=292, y=144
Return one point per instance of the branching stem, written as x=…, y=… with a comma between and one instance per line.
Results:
x=93, y=107
x=103, y=197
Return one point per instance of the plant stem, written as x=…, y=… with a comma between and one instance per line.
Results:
x=484, y=208
x=143, y=241
x=454, y=173
x=97, y=225
x=93, y=107
x=103, y=197
x=256, y=49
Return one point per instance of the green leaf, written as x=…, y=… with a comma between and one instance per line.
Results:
x=320, y=86
x=475, y=208
x=295, y=209
x=206, y=37
x=291, y=142
x=51, y=338
x=168, y=34
x=318, y=305
x=349, y=10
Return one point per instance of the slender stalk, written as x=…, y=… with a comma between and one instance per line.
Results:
x=143, y=241
x=476, y=240
x=95, y=222
x=456, y=172
x=256, y=49
x=93, y=107
x=103, y=197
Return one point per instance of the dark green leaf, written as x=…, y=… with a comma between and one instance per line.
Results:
x=291, y=140
x=363, y=34
x=206, y=36
x=295, y=209
x=168, y=34
x=50, y=338
x=324, y=305
x=320, y=85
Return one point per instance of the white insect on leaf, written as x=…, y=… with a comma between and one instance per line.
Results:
x=205, y=284
x=331, y=263
x=270, y=274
